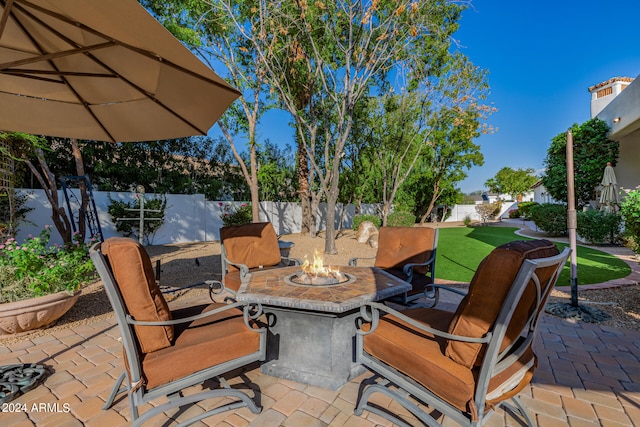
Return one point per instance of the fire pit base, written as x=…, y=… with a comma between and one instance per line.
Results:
x=312, y=347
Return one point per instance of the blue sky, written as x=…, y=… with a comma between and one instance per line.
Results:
x=542, y=56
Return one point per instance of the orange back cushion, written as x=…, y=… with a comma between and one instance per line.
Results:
x=254, y=245
x=489, y=287
x=398, y=246
x=134, y=276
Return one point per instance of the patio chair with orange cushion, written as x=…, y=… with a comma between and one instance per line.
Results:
x=463, y=364
x=166, y=350
x=246, y=248
x=410, y=254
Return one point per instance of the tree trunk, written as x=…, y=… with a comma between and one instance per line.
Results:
x=330, y=240
x=313, y=209
x=303, y=191
x=84, y=197
x=48, y=182
x=428, y=212
x=253, y=185
x=385, y=213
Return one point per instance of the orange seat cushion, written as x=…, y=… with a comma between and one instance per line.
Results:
x=132, y=270
x=421, y=356
x=200, y=344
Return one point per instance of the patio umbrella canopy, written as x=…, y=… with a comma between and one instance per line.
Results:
x=101, y=70
x=609, y=198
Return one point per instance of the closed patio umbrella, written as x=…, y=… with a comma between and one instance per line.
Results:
x=609, y=198
x=101, y=70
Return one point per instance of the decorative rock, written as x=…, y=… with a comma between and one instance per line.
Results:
x=373, y=241
x=365, y=230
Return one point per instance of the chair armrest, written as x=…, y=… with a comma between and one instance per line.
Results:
x=250, y=310
x=289, y=261
x=244, y=269
x=445, y=288
x=215, y=287
x=370, y=313
x=353, y=262
x=408, y=268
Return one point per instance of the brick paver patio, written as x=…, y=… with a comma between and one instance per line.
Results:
x=588, y=375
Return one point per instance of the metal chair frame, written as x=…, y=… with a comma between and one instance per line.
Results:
x=133, y=383
x=494, y=361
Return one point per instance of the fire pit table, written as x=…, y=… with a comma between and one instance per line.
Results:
x=312, y=326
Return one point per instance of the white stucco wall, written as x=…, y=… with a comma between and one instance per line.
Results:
x=626, y=131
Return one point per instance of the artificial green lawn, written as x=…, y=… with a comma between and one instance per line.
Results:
x=460, y=251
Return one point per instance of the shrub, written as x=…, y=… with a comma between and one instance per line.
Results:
x=34, y=268
x=467, y=221
x=598, y=226
x=236, y=215
x=514, y=213
x=525, y=209
x=550, y=218
x=630, y=211
x=359, y=219
x=401, y=219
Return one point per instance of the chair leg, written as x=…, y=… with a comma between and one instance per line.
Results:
x=363, y=403
x=116, y=390
x=519, y=407
x=243, y=401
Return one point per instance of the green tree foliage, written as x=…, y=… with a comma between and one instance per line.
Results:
x=513, y=182
x=276, y=173
x=215, y=38
x=451, y=154
x=591, y=151
x=324, y=58
x=194, y=165
x=630, y=211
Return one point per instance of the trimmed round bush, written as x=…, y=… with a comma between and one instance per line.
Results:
x=550, y=218
x=401, y=219
x=598, y=226
x=359, y=219
x=524, y=208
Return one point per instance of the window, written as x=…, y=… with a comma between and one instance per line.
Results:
x=605, y=91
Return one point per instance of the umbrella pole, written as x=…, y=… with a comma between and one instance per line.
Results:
x=572, y=222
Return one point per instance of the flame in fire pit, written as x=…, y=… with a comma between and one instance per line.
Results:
x=317, y=268
x=315, y=273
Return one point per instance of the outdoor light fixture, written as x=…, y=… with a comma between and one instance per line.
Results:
x=616, y=120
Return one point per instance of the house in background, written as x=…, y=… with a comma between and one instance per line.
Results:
x=540, y=194
x=617, y=102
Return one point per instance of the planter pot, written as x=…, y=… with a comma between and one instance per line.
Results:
x=34, y=313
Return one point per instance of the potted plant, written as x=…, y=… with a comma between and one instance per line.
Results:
x=39, y=283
